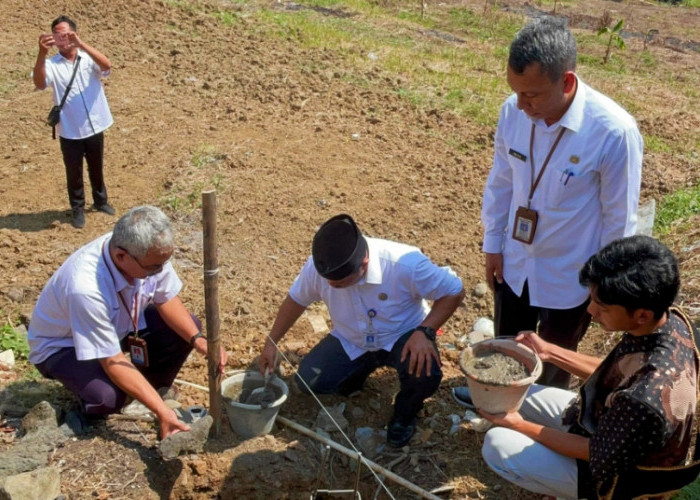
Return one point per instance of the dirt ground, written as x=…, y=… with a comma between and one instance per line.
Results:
x=289, y=137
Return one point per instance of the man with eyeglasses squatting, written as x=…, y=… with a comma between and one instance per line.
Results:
x=376, y=292
x=118, y=294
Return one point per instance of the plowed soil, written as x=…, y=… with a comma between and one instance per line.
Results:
x=288, y=136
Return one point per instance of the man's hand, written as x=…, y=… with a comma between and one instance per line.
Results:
x=201, y=346
x=73, y=40
x=266, y=361
x=46, y=41
x=422, y=353
x=494, y=268
x=510, y=420
x=534, y=342
x=169, y=424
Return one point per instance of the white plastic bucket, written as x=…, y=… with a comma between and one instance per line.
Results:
x=501, y=398
x=251, y=420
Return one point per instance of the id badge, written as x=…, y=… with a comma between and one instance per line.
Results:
x=370, y=340
x=139, y=351
x=525, y=225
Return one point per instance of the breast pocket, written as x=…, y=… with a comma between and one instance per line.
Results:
x=570, y=185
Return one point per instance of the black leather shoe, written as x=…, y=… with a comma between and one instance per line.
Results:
x=398, y=434
x=78, y=218
x=106, y=208
x=462, y=396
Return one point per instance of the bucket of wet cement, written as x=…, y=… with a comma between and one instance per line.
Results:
x=499, y=373
x=250, y=420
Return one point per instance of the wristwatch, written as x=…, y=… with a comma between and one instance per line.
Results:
x=429, y=332
x=196, y=336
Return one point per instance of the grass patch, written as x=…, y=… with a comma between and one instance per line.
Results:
x=11, y=339
x=675, y=207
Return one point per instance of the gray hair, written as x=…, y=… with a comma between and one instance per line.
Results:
x=546, y=41
x=142, y=229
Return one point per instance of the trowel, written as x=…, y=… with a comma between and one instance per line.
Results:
x=265, y=395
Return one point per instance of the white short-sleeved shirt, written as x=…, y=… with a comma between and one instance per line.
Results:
x=80, y=305
x=85, y=112
x=587, y=197
x=398, y=280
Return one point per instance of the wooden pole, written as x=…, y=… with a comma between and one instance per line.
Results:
x=211, y=303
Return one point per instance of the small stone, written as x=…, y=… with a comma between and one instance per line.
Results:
x=15, y=294
x=485, y=326
x=480, y=290
x=7, y=359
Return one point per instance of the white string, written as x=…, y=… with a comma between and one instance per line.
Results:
x=359, y=454
x=211, y=272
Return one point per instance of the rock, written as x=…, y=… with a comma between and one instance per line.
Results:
x=7, y=359
x=485, y=326
x=645, y=218
x=370, y=441
x=480, y=290
x=317, y=323
x=357, y=412
x=191, y=441
x=41, y=416
x=332, y=420
x=40, y=484
x=15, y=294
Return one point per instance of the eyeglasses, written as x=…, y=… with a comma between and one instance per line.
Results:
x=150, y=269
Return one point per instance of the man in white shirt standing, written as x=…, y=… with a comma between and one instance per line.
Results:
x=117, y=294
x=565, y=182
x=376, y=292
x=85, y=114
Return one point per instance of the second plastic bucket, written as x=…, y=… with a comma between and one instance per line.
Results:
x=501, y=398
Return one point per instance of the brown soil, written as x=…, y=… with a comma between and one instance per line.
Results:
x=289, y=136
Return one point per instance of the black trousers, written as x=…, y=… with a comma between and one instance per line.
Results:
x=167, y=352
x=92, y=149
x=563, y=327
x=327, y=369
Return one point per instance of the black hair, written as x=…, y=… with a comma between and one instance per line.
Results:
x=547, y=41
x=64, y=19
x=637, y=272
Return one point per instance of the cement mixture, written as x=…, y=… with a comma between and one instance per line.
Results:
x=496, y=368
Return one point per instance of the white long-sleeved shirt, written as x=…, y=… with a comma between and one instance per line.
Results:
x=398, y=280
x=85, y=112
x=587, y=197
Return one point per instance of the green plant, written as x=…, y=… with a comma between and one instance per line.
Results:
x=11, y=339
x=614, y=37
x=677, y=206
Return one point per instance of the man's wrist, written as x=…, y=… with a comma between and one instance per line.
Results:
x=193, y=339
x=428, y=331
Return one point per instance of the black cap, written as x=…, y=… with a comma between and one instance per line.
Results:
x=338, y=248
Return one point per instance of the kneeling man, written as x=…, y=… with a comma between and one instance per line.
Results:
x=376, y=292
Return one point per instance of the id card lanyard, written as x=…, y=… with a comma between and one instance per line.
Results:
x=526, y=218
x=137, y=346
x=535, y=182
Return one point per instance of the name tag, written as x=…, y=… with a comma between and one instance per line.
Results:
x=517, y=154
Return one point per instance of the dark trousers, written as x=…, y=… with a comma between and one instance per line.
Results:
x=92, y=149
x=327, y=369
x=167, y=352
x=563, y=327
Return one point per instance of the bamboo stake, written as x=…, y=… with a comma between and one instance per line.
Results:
x=353, y=454
x=211, y=300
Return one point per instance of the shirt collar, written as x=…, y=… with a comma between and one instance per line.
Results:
x=120, y=282
x=373, y=276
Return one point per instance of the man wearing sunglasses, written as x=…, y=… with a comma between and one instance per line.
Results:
x=118, y=294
